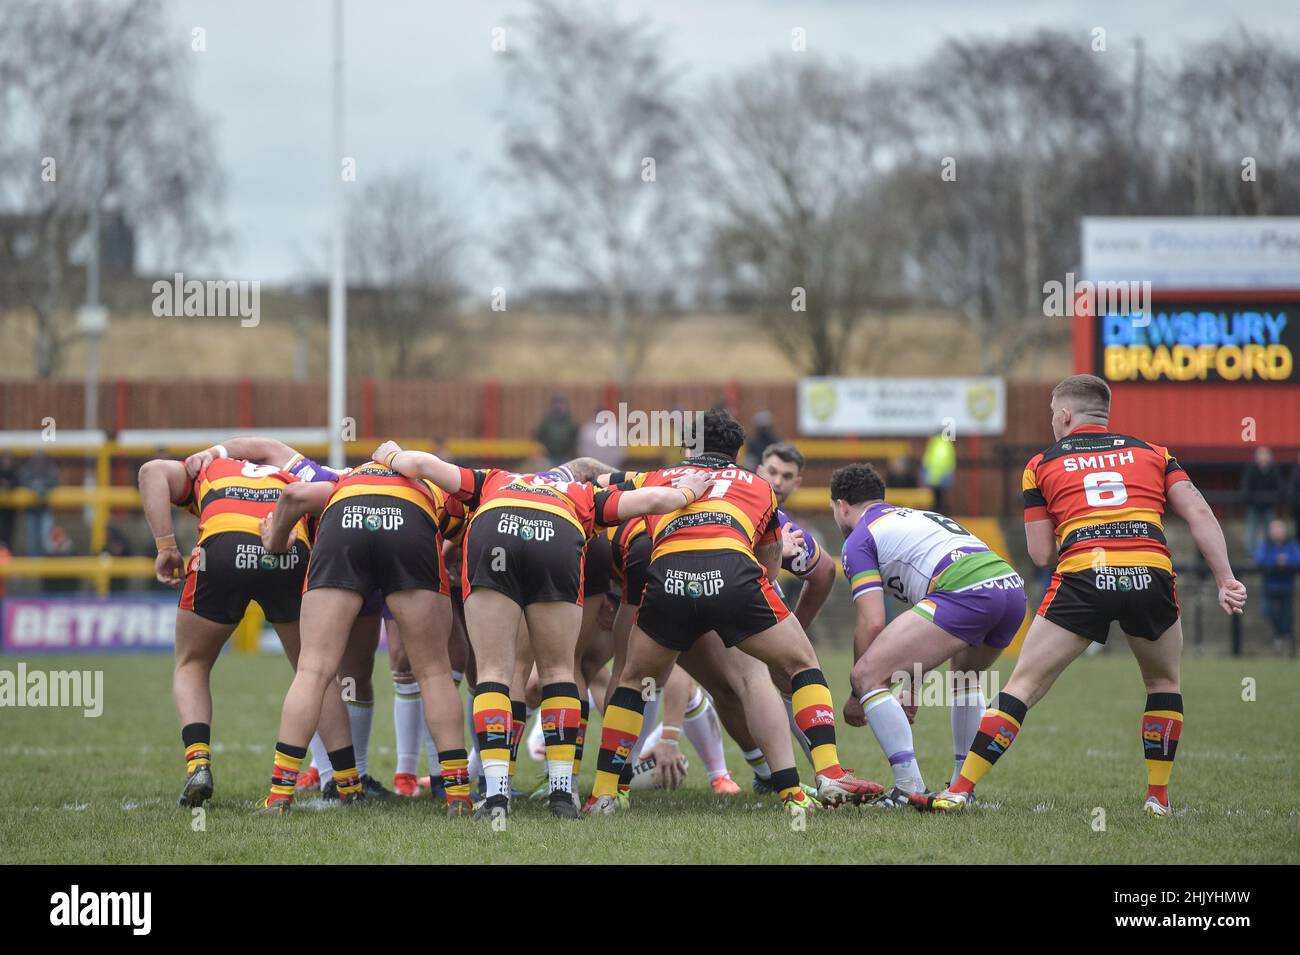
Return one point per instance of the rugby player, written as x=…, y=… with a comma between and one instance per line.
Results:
x=358, y=661
x=966, y=605
x=738, y=686
x=782, y=467
x=228, y=568
x=709, y=570
x=523, y=562
x=1097, y=498
x=379, y=530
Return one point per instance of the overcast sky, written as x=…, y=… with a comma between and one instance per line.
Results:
x=423, y=85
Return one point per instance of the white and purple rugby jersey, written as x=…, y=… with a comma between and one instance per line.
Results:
x=911, y=553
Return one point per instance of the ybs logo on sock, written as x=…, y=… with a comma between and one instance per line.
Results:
x=495, y=728
x=1153, y=734
x=1006, y=735
x=622, y=751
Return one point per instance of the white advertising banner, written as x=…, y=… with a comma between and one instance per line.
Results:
x=842, y=407
x=1194, y=252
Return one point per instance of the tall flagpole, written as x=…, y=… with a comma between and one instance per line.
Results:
x=338, y=289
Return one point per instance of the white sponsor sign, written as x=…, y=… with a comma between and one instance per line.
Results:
x=1194, y=252
x=901, y=406
x=89, y=624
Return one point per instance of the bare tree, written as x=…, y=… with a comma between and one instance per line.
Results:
x=594, y=146
x=1227, y=102
x=795, y=157
x=97, y=109
x=1023, y=126
x=403, y=260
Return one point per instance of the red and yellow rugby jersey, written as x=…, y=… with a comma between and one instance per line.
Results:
x=1105, y=495
x=230, y=494
x=622, y=536
x=446, y=513
x=736, y=513
x=583, y=505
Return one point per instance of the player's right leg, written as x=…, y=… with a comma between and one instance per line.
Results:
x=326, y=620
x=492, y=621
x=198, y=644
x=553, y=627
x=425, y=617
x=1048, y=649
x=1162, y=721
x=334, y=719
x=646, y=659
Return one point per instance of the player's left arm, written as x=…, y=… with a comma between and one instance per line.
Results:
x=296, y=501
x=1188, y=503
x=252, y=448
x=663, y=500
x=817, y=585
x=419, y=464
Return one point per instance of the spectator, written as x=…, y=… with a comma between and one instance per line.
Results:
x=939, y=468
x=1261, y=492
x=1279, y=562
x=760, y=436
x=1293, y=498
x=40, y=476
x=8, y=482
x=558, y=432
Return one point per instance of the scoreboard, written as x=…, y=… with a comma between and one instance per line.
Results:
x=1192, y=339
x=1207, y=360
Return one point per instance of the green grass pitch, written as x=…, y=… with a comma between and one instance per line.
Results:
x=102, y=790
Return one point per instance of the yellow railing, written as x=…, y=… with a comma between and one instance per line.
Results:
x=100, y=569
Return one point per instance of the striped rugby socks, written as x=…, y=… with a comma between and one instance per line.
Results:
x=1162, y=724
x=888, y=721
x=814, y=714
x=197, y=738
x=997, y=731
